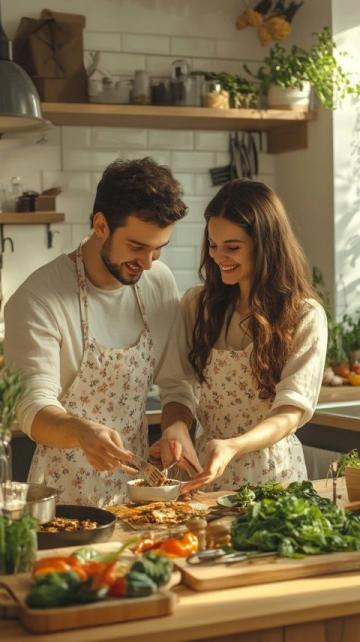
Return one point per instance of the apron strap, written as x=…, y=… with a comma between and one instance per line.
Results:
x=140, y=301
x=83, y=299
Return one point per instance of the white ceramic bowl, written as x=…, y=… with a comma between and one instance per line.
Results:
x=141, y=494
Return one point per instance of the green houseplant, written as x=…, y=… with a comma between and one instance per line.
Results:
x=349, y=466
x=298, y=69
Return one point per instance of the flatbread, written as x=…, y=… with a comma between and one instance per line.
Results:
x=162, y=513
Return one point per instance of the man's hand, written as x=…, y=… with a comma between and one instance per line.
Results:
x=103, y=448
x=219, y=453
x=175, y=445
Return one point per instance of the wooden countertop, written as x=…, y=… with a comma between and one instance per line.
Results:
x=339, y=393
x=215, y=615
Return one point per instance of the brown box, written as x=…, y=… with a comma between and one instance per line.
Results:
x=45, y=203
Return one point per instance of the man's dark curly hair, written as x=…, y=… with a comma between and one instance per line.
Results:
x=141, y=188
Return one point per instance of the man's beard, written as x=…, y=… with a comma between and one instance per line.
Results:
x=114, y=269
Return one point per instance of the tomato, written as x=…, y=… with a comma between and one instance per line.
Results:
x=118, y=588
x=342, y=370
x=356, y=367
x=354, y=379
x=147, y=544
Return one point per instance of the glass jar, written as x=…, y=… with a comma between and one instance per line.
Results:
x=180, y=83
x=214, y=96
x=141, y=88
x=160, y=91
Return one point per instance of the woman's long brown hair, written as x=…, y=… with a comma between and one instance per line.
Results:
x=280, y=285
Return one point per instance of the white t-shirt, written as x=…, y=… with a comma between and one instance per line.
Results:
x=43, y=331
x=302, y=374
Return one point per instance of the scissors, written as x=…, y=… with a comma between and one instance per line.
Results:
x=214, y=555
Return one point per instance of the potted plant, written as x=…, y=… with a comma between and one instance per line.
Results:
x=351, y=337
x=349, y=467
x=287, y=76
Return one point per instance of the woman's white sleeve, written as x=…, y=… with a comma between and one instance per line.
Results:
x=302, y=374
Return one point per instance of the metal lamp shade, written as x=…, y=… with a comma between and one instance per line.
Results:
x=19, y=101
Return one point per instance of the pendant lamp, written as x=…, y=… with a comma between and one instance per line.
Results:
x=19, y=101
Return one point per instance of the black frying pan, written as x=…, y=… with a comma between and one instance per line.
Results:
x=106, y=524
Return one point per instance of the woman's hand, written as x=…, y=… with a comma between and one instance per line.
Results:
x=219, y=453
x=175, y=445
x=103, y=448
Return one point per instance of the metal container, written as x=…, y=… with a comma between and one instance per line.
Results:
x=37, y=499
x=41, y=502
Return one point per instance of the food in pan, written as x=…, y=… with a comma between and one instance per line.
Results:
x=61, y=524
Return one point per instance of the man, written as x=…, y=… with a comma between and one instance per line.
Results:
x=90, y=330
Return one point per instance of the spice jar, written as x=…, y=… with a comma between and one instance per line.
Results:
x=215, y=96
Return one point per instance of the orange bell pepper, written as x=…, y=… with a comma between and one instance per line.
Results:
x=180, y=547
x=58, y=565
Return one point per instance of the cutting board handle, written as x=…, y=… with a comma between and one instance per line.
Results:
x=9, y=605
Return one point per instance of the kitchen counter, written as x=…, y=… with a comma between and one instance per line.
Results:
x=321, y=609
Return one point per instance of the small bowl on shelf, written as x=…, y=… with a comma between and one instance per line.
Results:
x=140, y=493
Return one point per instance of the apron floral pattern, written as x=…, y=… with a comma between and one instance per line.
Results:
x=110, y=388
x=228, y=406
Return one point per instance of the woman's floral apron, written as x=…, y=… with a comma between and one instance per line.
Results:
x=110, y=388
x=228, y=406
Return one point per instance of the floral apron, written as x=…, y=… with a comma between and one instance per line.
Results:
x=229, y=406
x=110, y=388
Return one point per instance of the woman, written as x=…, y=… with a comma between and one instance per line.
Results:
x=256, y=340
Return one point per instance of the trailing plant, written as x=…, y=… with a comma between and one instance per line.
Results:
x=318, y=66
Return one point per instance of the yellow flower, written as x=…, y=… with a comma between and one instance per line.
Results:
x=241, y=21
x=264, y=36
x=254, y=18
x=278, y=28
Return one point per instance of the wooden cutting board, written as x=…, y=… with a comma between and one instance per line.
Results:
x=14, y=589
x=220, y=576
x=75, y=617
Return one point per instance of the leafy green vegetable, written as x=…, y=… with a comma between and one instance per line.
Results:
x=248, y=494
x=295, y=526
x=157, y=567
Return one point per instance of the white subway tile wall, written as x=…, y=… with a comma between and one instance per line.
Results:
x=73, y=158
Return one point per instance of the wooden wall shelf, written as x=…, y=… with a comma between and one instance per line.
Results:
x=287, y=130
x=27, y=218
x=30, y=218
